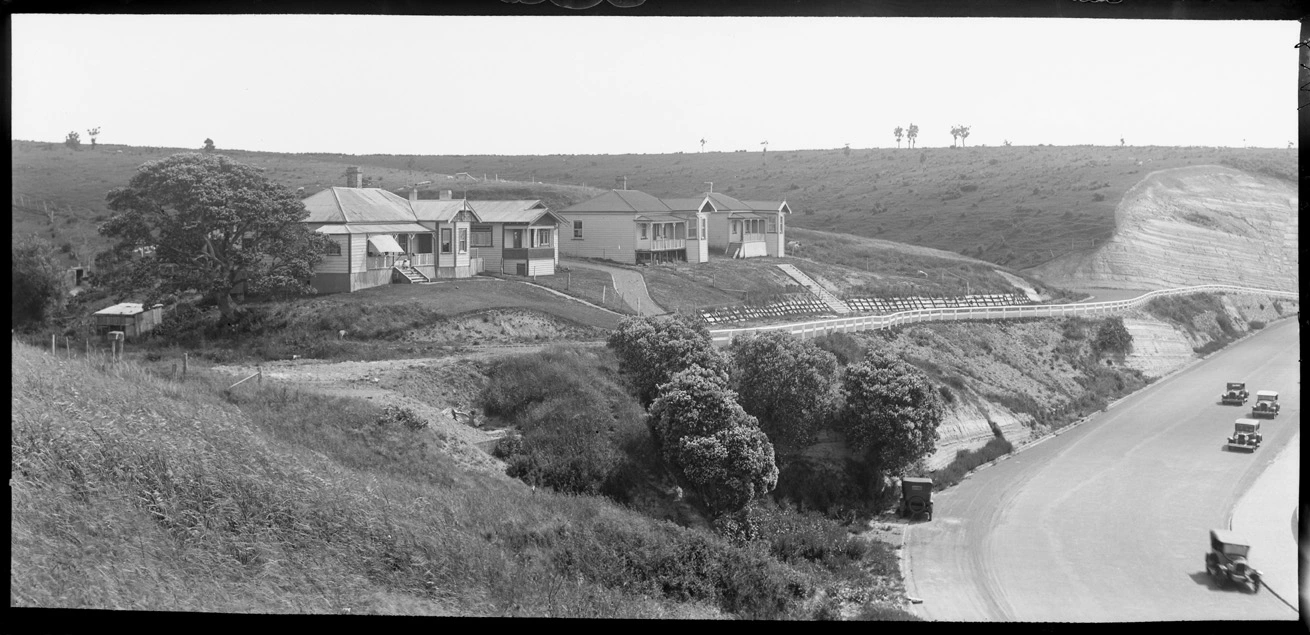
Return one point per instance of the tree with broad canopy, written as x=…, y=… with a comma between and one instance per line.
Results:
x=790, y=385
x=207, y=223
x=892, y=412
x=710, y=443
x=652, y=349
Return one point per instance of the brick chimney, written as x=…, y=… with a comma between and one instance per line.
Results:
x=446, y=195
x=413, y=194
x=353, y=177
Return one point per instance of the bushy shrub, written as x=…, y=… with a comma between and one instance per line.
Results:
x=1256, y=325
x=966, y=460
x=844, y=347
x=1113, y=337
x=396, y=416
x=579, y=430
x=37, y=287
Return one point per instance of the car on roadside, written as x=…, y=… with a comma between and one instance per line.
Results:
x=1266, y=404
x=1235, y=394
x=1226, y=561
x=916, y=497
x=1246, y=435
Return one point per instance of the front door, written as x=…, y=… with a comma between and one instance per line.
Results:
x=516, y=238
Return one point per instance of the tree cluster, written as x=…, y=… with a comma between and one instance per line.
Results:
x=37, y=287
x=206, y=223
x=1113, y=337
x=717, y=420
x=959, y=133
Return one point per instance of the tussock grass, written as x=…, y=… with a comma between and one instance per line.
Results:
x=131, y=491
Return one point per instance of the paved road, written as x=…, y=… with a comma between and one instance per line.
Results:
x=629, y=283
x=1109, y=521
x=1266, y=515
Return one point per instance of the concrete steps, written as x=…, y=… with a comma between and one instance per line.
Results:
x=835, y=303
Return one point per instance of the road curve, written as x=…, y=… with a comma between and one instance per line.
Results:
x=1109, y=521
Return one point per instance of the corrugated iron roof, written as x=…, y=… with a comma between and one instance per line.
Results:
x=684, y=204
x=126, y=308
x=512, y=211
x=725, y=203
x=745, y=215
x=768, y=206
x=441, y=210
x=660, y=219
x=620, y=201
x=357, y=205
x=375, y=228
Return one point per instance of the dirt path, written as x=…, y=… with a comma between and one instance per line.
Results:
x=630, y=285
x=439, y=389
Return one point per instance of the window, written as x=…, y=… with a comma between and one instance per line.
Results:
x=515, y=239
x=445, y=241
x=577, y=229
x=655, y=231
x=704, y=230
x=691, y=229
x=642, y=227
x=424, y=243
x=463, y=240
x=681, y=229
x=482, y=236
x=668, y=230
x=333, y=248
x=773, y=226
x=403, y=241
x=543, y=237
x=736, y=227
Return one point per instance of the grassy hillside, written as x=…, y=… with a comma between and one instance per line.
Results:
x=134, y=492
x=1016, y=206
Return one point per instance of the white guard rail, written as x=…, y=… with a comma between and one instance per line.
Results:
x=819, y=328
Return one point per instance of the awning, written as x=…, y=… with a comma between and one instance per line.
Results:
x=385, y=244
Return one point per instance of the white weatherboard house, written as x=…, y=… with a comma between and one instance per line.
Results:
x=519, y=237
x=635, y=227
x=380, y=238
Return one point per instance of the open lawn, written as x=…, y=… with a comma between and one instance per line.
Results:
x=719, y=282
x=465, y=296
x=596, y=287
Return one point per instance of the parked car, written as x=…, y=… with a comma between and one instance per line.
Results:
x=1235, y=393
x=1226, y=561
x=1246, y=435
x=916, y=497
x=1266, y=404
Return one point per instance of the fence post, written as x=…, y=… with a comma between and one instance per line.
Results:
x=68, y=348
x=259, y=374
x=184, y=360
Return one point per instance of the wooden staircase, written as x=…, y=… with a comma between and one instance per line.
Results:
x=412, y=275
x=836, y=304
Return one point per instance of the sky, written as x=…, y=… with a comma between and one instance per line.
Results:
x=456, y=85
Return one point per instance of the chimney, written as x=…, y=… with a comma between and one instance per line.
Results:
x=353, y=177
x=446, y=195
x=413, y=194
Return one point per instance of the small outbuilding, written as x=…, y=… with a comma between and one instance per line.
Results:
x=131, y=318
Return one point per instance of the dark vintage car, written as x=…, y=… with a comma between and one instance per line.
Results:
x=916, y=497
x=1246, y=435
x=1226, y=561
x=1235, y=394
x=1266, y=404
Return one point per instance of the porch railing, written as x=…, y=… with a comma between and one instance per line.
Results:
x=661, y=244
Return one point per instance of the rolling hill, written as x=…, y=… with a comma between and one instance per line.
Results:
x=1014, y=206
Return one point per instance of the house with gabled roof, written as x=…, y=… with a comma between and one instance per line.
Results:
x=518, y=237
x=450, y=222
x=633, y=227
x=775, y=224
x=364, y=224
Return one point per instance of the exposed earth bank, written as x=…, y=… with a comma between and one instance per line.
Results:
x=1189, y=226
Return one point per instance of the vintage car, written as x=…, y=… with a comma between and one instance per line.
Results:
x=916, y=497
x=1266, y=404
x=1234, y=394
x=1246, y=435
x=1226, y=560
